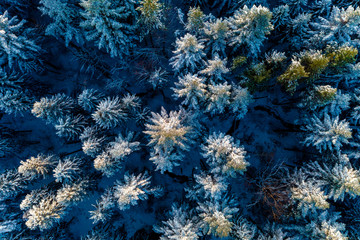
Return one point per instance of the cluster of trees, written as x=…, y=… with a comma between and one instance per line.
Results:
x=168, y=97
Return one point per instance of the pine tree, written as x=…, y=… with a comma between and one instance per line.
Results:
x=89, y=99
x=104, y=207
x=15, y=47
x=72, y=194
x=33, y=167
x=325, y=226
x=70, y=126
x=218, y=98
x=12, y=183
x=53, y=108
x=169, y=137
x=45, y=214
x=195, y=20
x=67, y=170
x=180, y=225
x=109, y=113
x=240, y=100
x=151, y=15
x=224, y=155
x=107, y=23
x=307, y=193
x=134, y=188
x=14, y=101
x=112, y=159
x=207, y=186
x=338, y=180
x=243, y=229
x=250, y=27
x=193, y=88
x=342, y=26
x=216, y=216
x=188, y=54
x=215, y=69
x=217, y=33
x=65, y=19
x=327, y=134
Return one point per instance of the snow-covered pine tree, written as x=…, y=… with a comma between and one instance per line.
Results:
x=41, y=165
x=215, y=69
x=195, y=20
x=14, y=101
x=67, y=170
x=338, y=180
x=92, y=141
x=151, y=15
x=112, y=159
x=45, y=214
x=12, y=183
x=218, y=98
x=250, y=27
x=15, y=47
x=243, y=229
x=217, y=33
x=127, y=193
x=104, y=207
x=216, y=216
x=188, y=54
x=240, y=100
x=110, y=24
x=180, y=225
x=224, y=155
x=307, y=193
x=88, y=99
x=207, y=186
x=193, y=88
x=72, y=194
x=70, y=126
x=169, y=136
x=342, y=26
x=325, y=226
x=53, y=108
x=65, y=16
x=327, y=134
x=109, y=113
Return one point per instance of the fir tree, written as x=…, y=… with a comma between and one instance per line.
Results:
x=40, y=165
x=67, y=170
x=327, y=134
x=193, y=88
x=250, y=27
x=109, y=113
x=70, y=127
x=224, y=155
x=107, y=23
x=169, y=136
x=65, y=19
x=45, y=214
x=188, y=54
x=53, y=108
x=151, y=15
x=218, y=98
x=180, y=225
x=217, y=33
x=15, y=47
x=133, y=189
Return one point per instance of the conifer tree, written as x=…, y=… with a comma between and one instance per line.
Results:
x=188, y=54
x=65, y=19
x=250, y=27
x=15, y=47
x=107, y=23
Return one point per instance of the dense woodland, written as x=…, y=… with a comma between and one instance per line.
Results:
x=179, y=119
